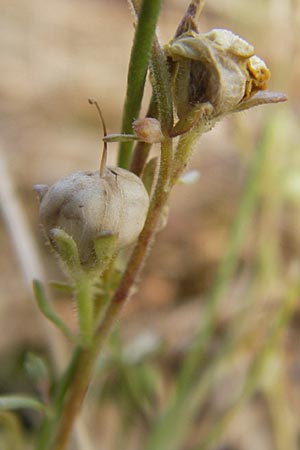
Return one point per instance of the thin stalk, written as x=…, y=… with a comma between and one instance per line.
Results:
x=161, y=83
x=139, y=158
x=84, y=297
x=183, y=154
x=80, y=382
x=138, y=67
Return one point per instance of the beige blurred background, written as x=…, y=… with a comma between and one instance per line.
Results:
x=53, y=56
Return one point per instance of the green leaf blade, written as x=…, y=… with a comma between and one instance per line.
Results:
x=15, y=402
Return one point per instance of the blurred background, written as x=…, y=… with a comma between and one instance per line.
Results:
x=232, y=238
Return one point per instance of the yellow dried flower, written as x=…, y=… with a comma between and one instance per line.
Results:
x=218, y=67
x=213, y=74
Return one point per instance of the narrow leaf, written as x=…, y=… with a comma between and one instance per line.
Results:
x=12, y=402
x=48, y=312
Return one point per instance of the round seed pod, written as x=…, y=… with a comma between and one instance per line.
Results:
x=84, y=204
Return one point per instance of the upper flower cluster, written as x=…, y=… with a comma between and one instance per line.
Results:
x=214, y=74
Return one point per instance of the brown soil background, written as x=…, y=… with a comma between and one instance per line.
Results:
x=54, y=55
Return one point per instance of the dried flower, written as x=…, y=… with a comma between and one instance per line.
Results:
x=214, y=74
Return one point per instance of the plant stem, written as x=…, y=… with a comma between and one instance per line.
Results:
x=73, y=402
x=84, y=296
x=183, y=153
x=138, y=67
x=161, y=83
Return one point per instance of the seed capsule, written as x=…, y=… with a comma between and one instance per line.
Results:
x=85, y=204
x=217, y=68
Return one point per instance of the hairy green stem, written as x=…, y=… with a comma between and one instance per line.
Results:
x=84, y=297
x=162, y=87
x=183, y=154
x=138, y=67
x=79, y=385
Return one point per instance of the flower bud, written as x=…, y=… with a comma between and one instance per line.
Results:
x=148, y=130
x=217, y=68
x=85, y=204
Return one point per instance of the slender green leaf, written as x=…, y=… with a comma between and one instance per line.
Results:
x=12, y=402
x=48, y=312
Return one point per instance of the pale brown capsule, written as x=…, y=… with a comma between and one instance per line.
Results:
x=218, y=67
x=84, y=204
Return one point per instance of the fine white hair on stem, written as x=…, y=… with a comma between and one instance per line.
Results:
x=133, y=5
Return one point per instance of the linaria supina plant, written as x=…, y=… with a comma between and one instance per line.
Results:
x=197, y=79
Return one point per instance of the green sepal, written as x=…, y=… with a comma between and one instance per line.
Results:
x=65, y=288
x=67, y=249
x=105, y=245
x=36, y=368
